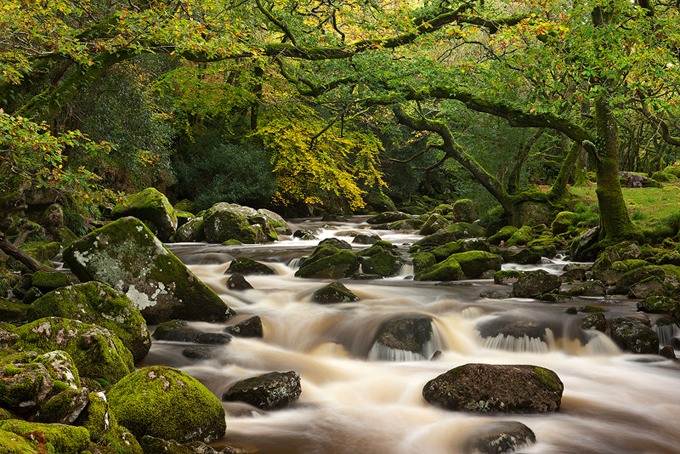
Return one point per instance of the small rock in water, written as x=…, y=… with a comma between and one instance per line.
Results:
x=248, y=328
x=238, y=282
x=266, y=392
x=500, y=437
x=668, y=352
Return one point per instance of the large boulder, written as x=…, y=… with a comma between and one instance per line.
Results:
x=105, y=432
x=127, y=256
x=167, y=403
x=266, y=392
x=151, y=207
x=382, y=259
x=465, y=210
x=477, y=263
x=447, y=270
x=404, y=338
x=487, y=388
x=634, y=335
x=388, y=216
x=227, y=221
x=97, y=352
x=98, y=304
x=531, y=284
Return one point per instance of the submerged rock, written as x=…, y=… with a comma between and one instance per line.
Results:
x=99, y=304
x=488, y=388
x=499, y=437
x=167, y=403
x=411, y=335
x=127, y=256
x=247, y=266
x=182, y=331
x=334, y=292
x=266, y=392
x=634, y=335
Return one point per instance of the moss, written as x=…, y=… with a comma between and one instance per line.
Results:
x=548, y=378
x=12, y=311
x=11, y=443
x=505, y=277
x=465, y=230
x=150, y=206
x=521, y=237
x=58, y=438
x=42, y=251
x=423, y=260
x=475, y=263
x=658, y=305
x=167, y=403
x=503, y=235
x=49, y=280
x=105, y=432
x=448, y=270
x=99, y=304
x=329, y=262
x=96, y=351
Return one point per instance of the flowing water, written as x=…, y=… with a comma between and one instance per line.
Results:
x=357, y=399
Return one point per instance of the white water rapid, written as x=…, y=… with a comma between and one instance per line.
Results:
x=613, y=402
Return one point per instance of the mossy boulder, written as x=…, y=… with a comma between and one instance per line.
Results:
x=522, y=256
x=422, y=261
x=531, y=284
x=433, y=223
x=47, y=438
x=24, y=386
x=660, y=305
x=47, y=281
x=381, y=259
x=462, y=230
x=64, y=407
x=595, y=321
x=276, y=221
x=634, y=335
x=330, y=260
x=167, y=403
x=650, y=286
x=151, y=207
x=270, y=391
x=464, y=245
x=127, y=256
x=505, y=277
x=228, y=221
x=475, y=264
x=334, y=292
x=628, y=279
x=521, y=237
x=503, y=235
x=97, y=352
x=247, y=266
x=190, y=231
x=490, y=388
x=388, y=216
x=590, y=288
x=563, y=222
x=465, y=210
x=447, y=270
x=105, y=433
x=97, y=303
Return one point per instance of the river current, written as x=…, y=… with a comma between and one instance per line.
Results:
x=358, y=400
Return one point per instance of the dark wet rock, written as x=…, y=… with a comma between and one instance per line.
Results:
x=381, y=259
x=11, y=311
x=304, y=234
x=238, y=282
x=488, y=388
x=167, y=403
x=31, y=295
x=667, y=352
x=574, y=275
x=499, y=437
x=267, y=392
x=505, y=277
x=594, y=321
x=411, y=334
x=634, y=335
x=151, y=207
x=127, y=256
x=531, y=284
x=465, y=210
x=388, y=216
x=334, y=292
x=182, y=331
x=247, y=266
x=503, y=235
x=590, y=288
x=98, y=353
x=584, y=248
x=98, y=304
x=438, y=238
x=511, y=327
x=200, y=352
x=251, y=327
x=363, y=238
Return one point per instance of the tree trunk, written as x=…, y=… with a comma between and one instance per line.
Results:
x=614, y=219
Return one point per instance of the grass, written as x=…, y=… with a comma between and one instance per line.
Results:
x=654, y=211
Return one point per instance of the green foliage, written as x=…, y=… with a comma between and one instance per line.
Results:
x=209, y=170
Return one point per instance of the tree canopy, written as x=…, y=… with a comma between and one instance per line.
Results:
x=323, y=86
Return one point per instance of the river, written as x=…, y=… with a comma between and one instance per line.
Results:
x=355, y=401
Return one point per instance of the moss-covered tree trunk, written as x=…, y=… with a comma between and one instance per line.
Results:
x=614, y=219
